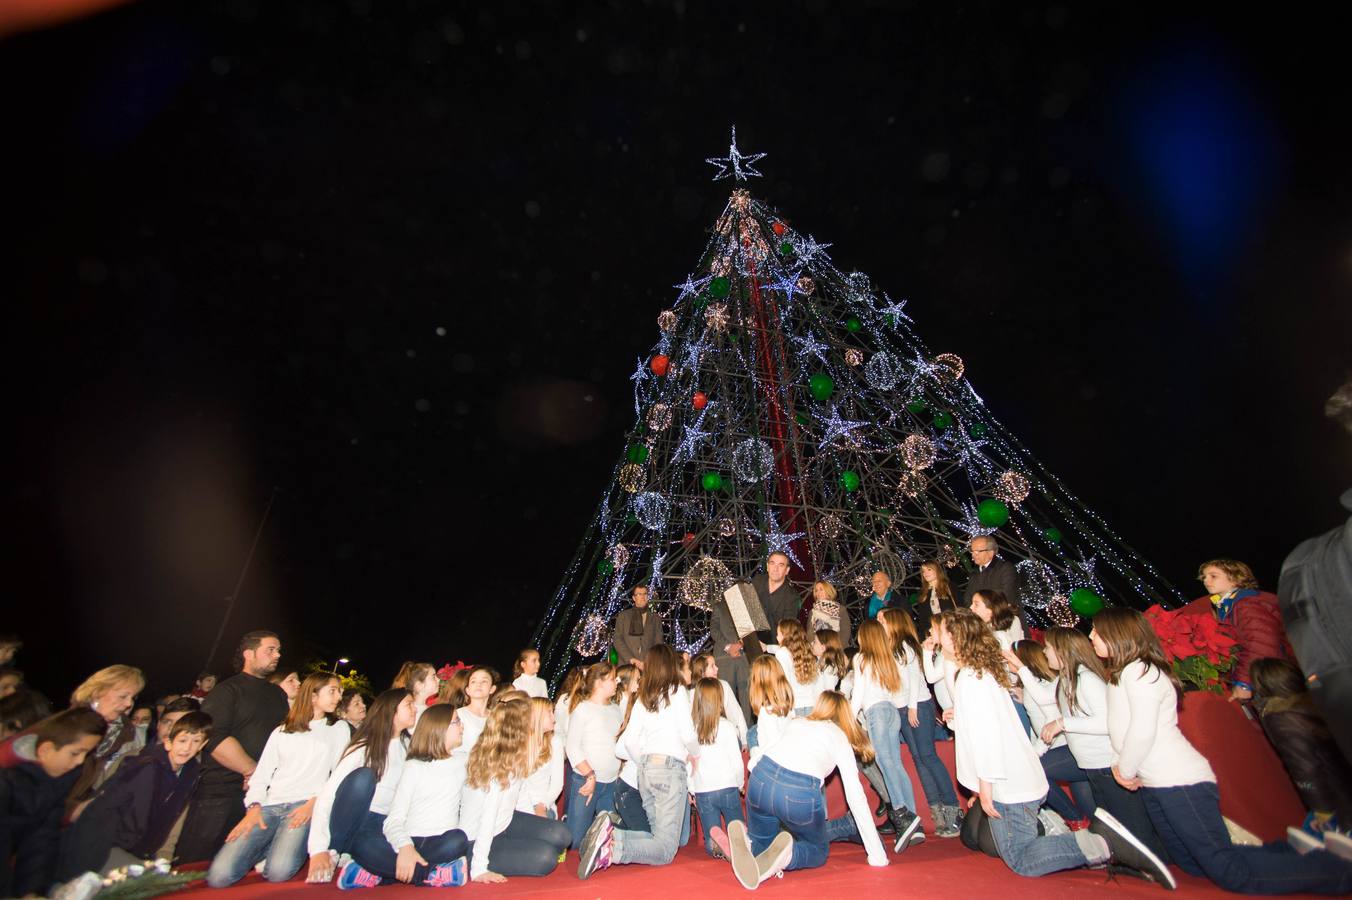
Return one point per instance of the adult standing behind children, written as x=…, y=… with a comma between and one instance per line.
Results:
x=244, y=710
x=637, y=629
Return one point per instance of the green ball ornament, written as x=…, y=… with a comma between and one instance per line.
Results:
x=916, y=405
x=801, y=418
x=786, y=249
x=612, y=657
x=719, y=286
x=977, y=430
x=915, y=599
x=943, y=421
x=849, y=480
x=605, y=567
x=1052, y=534
x=711, y=481
x=852, y=325
x=1085, y=602
x=992, y=513
x=638, y=454
x=821, y=386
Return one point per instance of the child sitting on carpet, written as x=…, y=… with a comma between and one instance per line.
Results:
x=996, y=762
x=1153, y=757
x=544, y=783
x=38, y=774
x=718, y=779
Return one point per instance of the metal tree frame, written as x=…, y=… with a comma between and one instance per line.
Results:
x=740, y=448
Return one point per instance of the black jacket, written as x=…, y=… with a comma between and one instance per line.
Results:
x=135, y=811
x=32, y=804
x=1321, y=776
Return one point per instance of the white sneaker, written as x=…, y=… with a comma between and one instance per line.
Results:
x=1302, y=841
x=1339, y=844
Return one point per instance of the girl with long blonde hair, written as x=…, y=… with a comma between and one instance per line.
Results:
x=794, y=653
x=786, y=826
x=544, y=755
x=879, y=689
x=717, y=782
x=504, y=840
x=771, y=698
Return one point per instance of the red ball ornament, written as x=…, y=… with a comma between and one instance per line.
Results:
x=689, y=539
x=660, y=364
x=700, y=400
x=779, y=229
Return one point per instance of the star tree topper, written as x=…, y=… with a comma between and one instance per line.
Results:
x=738, y=162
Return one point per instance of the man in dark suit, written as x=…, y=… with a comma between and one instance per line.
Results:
x=730, y=655
x=637, y=629
x=992, y=574
x=779, y=599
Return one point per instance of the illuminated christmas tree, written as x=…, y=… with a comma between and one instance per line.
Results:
x=790, y=406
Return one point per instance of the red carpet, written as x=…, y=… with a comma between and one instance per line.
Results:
x=936, y=868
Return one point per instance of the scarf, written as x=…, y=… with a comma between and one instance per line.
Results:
x=1224, y=604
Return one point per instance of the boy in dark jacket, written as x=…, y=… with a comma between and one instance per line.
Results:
x=41, y=769
x=133, y=813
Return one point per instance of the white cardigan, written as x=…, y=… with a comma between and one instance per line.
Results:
x=1143, y=727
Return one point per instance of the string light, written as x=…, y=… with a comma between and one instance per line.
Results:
x=1012, y=487
x=806, y=285
x=948, y=367
x=716, y=317
x=918, y=452
x=631, y=478
x=883, y=371
x=705, y=582
x=913, y=483
x=659, y=417
x=752, y=460
x=736, y=164
x=619, y=556
x=652, y=510
x=727, y=527
x=666, y=320
x=853, y=357
x=1059, y=611
x=593, y=636
x=829, y=526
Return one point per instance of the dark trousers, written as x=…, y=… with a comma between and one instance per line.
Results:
x=935, y=780
x=351, y=812
x=582, y=810
x=374, y=854
x=1188, y=819
x=530, y=845
x=1128, y=807
x=211, y=815
x=629, y=804
x=1059, y=764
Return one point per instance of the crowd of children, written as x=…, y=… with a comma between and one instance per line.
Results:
x=439, y=781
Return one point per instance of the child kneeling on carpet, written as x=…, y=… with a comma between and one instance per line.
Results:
x=295, y=764
x=352, y=807
x=132, y=814
x=718, y=779
x=1153, y=758
x=503, y=839
x=786, y=788
x=593, y=723
x=420, y=841
x=34, y=784
x=996, y=762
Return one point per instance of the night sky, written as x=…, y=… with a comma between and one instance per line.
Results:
x=395, y=261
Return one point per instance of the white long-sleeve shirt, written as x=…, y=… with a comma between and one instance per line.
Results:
x=733, y=710
x=485, y=813
x=991, y=743
x=294, y=766
x=669, y=732
x=913, y=678
x=533, y=685
x=1086, y=727
x=869, y=692
x=318, y=840
x=1010, y=636
x=591, y=738
x=471, y=726
x=561, y=716
x=816, y=748
x=805, y=693
x=544, y=785
x=1143, y=727
x=939, y=672
x=1039, y=701
x=720, y=763
x=427, y=800
x=769, y=731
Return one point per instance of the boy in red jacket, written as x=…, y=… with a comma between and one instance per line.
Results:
x=1253, y=616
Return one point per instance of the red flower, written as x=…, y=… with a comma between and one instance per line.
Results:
x=447, y=672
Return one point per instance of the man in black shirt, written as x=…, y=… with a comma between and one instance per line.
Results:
x=244, y=710
x=779, y=599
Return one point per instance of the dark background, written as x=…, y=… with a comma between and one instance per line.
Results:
x=395, y=261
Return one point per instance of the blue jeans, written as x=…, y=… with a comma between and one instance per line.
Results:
x=351, y=811
x=718, y=808
x=753, y=736
x=884, y=730
x=1188, y=820
x=282, y=846
x=530, y=845
x=935, y=780
x=1024, y=850
x=581, y=812
x=1128, y=807
x=374, y=854
x=662, y=785
x=1023, y=716
x=779, y=799
x=629, y=804
x=1059, y=765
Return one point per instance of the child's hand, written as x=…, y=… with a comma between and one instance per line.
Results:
x=947, y=716
x=913, y=717
x=1130, y=784
x=300, y=816
x=1051, y=730
x=409, y=858
x=490, y=878
x=1012, y=659
x=253, y=818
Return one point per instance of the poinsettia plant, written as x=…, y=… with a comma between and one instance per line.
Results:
x=1200, y=648
x=447, y=672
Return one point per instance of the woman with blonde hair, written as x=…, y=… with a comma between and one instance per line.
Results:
x=786, y=826
x=503, y=840
x=829, y=612
x=110, y=692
